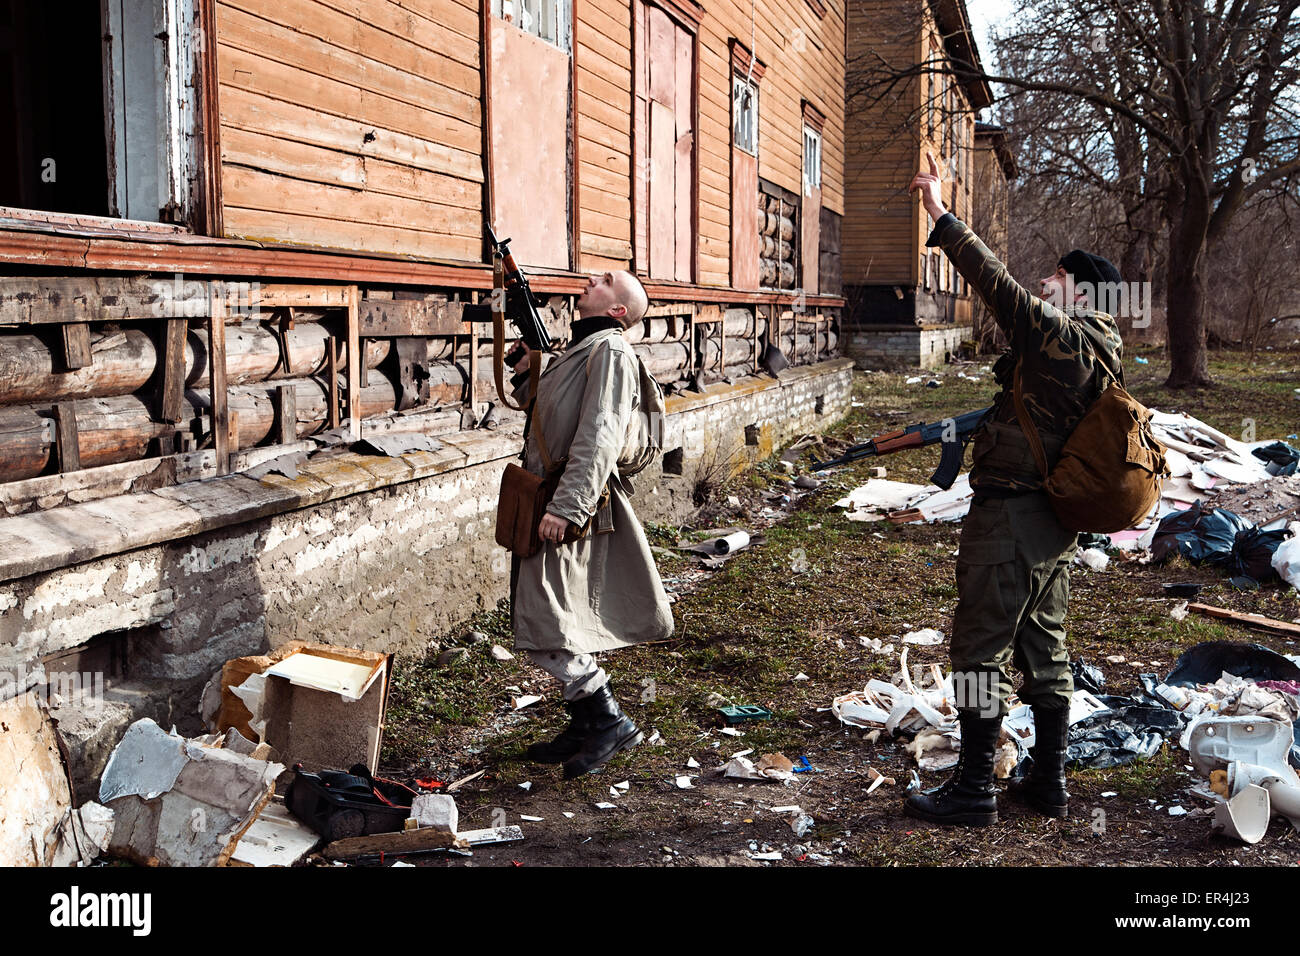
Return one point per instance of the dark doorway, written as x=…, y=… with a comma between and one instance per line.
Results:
x=55, y=156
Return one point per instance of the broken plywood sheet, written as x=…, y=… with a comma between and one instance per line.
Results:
x=196, y=819
x=878, y=494
x=35, y=796
x=275, y=838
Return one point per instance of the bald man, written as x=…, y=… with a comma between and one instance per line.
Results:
x=575, y=599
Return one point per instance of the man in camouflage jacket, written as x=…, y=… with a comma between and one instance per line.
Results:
x=1014, y=559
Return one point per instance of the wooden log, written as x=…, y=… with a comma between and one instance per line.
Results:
x=30, y=364
x=392, y=844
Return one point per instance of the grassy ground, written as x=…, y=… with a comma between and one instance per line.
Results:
x=795, y=607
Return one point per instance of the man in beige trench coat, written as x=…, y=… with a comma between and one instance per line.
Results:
x=571, y=601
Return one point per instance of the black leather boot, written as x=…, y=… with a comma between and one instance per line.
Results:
x=1044, y=787
x=609, y=731
x=564, y=746
x=968, y=798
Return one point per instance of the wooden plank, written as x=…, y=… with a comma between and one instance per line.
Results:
x=663, y=192
x=332, y=379
x=76, y=346
x=391, y=844
x=67, y=445
x=358, y=237
x=1257, y=621
x=286, y=414
x=172, y=393
x=385, y=318
x=255, y=111
x=354, y=364
x=301, y=296
x=217, y=379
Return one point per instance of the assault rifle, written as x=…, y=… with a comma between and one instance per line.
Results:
x=521, y=307
x=952, y=432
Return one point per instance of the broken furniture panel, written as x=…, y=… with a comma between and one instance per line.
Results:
x=315, y=704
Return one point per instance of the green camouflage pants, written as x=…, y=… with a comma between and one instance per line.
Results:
x=1013, y=586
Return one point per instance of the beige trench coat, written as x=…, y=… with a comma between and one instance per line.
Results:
x=602, y=591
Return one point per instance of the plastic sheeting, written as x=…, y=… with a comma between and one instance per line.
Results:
x=1127, y=730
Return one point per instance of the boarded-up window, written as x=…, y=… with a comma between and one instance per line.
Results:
x=665, y=144
x=531, y=120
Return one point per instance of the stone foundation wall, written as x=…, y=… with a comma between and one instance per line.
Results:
x=380, y=553
x=903, y=346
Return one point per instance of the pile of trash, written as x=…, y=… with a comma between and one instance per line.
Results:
x=1231, y=705
x=1226, y=503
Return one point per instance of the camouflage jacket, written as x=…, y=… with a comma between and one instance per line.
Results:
x=1067, y=357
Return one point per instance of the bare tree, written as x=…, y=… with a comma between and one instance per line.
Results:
x=1185, y=111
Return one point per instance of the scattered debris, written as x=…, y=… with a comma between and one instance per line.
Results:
x=1094, y=559
x=276, y=838
x=737, y=715
x=923, y=637
x=37, y=796
x=158, y=783
x=315, y=704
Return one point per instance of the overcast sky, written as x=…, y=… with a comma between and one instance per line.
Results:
x=982, y=14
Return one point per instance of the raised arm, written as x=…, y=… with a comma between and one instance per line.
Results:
x=1027, y=320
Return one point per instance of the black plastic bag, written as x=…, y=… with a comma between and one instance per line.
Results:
x=1198, y=534
x=1206, y=663
x=1279, y=458
x=1252, y=553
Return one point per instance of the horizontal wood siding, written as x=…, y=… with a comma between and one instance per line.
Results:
x=358, y=124
x=884, y=229
x=352, y=124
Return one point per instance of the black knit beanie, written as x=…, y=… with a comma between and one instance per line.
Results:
x=1085, y=267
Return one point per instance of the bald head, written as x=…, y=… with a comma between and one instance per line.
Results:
x=619, y=295
x=631, y=293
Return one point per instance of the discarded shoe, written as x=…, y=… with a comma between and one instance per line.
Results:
x=968, y=798
x=609, y=731
x=564, y=746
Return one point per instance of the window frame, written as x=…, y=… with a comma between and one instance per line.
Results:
x=561, y=17
x=192, y=99
x=739, y=83
x=814, y=138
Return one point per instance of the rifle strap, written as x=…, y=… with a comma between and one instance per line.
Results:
x=1027, y=426
x=499, y=358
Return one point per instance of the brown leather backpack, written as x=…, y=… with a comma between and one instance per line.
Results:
x=1109, y=473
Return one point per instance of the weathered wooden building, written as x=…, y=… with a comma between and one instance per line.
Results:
x=906, y=303
x=995, y=168
x=230, y=227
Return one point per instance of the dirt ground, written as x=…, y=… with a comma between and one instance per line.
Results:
x=779, y=626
